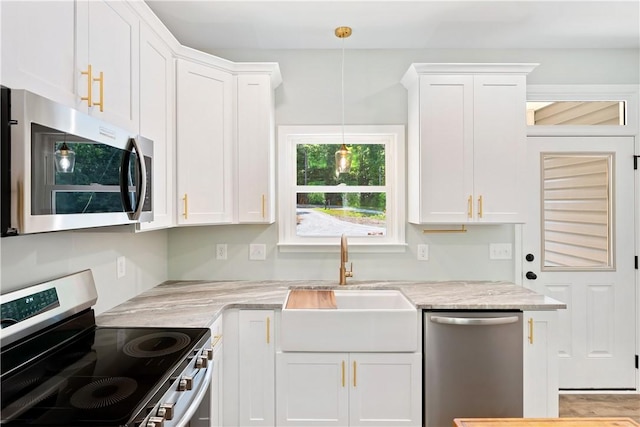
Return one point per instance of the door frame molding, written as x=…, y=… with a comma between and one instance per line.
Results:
x=629, y=94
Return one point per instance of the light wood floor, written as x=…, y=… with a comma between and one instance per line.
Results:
x=600, y=405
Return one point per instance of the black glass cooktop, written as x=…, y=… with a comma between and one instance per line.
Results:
x=104, y=377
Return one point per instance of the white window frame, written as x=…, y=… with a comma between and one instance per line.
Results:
x=393, y=136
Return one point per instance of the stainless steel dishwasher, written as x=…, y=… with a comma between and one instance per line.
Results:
x=472, y=366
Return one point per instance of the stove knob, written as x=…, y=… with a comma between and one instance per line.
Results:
x=185, y=383
x=167, y=411
x=208, y=354
x=155, y=422
x=201, y=362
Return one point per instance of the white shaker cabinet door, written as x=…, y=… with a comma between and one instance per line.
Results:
x=442, y=155
x=38, y=48
x=312, y=389
x=499, y=148
x=257, y=368
x=157, y=124
x=107, y=36
x=204, y=130
x=385, y=389
x=256, y=150
x=540, y=364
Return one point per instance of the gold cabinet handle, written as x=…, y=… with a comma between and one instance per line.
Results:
x=470, y=207
x=343, y=374
x=89, y=75
x=263, y=205
x=101, y=80
x=480, y=207
x=216, y=340
x=185, y=211
x=354, y=373
x=530, y=330
x=268, y=330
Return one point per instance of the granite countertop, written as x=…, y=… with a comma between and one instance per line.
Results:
x=199, y=303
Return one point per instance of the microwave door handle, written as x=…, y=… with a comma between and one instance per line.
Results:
x=124, y=181
x=141, y=183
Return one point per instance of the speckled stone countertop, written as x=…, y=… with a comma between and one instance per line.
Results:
x=199, y=303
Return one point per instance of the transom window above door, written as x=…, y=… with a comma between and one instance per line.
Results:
x=317, y=203
x=576, y=113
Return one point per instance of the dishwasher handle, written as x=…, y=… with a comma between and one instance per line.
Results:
x=474, y=321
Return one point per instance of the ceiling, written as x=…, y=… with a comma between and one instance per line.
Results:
x=418, y=24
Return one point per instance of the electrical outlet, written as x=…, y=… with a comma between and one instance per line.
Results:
x=500, y=251
x=121, y=267
x=257, y=251
x=423, y=252
x=221, y=251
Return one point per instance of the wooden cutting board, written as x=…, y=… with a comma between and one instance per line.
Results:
x=544, y=422
x=311, y=298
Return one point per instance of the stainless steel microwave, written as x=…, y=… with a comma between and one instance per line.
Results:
x=63, y=169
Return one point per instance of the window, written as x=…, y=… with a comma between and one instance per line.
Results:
x=577, y=200
x=576, y=113
x=318, y=205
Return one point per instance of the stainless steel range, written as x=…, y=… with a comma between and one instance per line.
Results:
x=60, y=369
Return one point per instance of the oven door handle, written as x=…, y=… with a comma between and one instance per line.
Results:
x=188, y=414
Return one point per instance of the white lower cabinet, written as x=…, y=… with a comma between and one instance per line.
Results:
x=216, y=406
x=256, y=374
x=348, y=389
x=540, y=364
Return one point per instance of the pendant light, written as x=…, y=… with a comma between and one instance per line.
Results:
x=65, y=158
x=343, y=155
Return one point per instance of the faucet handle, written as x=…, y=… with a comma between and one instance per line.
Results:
x=349, y=273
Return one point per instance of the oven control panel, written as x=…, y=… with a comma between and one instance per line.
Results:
x=16, y=311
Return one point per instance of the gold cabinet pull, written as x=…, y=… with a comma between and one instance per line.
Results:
x=343, y=374
x=264, y=202
x=88, y=73
x=354, y=373
x=268, y=330
x=216, y=340
x=470, y=207
x=480, y=207
x=101, y=80
x=530, y=330
x=185, y=202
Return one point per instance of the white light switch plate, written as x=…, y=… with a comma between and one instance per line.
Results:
x=257, y=251
x=500, y=251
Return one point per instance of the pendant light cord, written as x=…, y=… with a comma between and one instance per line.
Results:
x=342, y=78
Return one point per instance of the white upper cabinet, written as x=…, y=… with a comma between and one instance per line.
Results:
x=38, y=48
x=466, y=142
x=225, y=141
x=204, y=145
x=108, y=41
x=157, y=102
x=256, y=150
x=46, y=47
